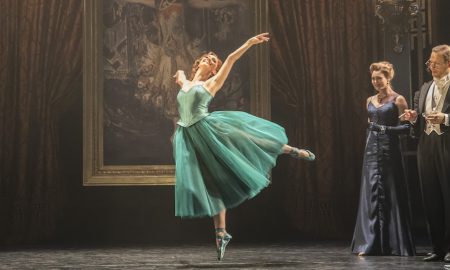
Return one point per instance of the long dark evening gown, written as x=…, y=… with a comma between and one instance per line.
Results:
x=383, y=224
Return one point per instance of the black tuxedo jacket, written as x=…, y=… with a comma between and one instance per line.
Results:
x=420, y=98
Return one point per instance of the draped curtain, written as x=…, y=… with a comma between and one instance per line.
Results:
x=320, y=54
x=41, y=65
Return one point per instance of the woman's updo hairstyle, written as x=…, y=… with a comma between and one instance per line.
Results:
x=384, y=67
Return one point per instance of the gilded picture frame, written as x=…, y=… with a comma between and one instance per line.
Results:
x=131, y=47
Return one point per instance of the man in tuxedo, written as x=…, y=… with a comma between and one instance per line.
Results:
x=430, y=118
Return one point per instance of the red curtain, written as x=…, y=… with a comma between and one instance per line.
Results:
x=320, y=52
x=41, y=64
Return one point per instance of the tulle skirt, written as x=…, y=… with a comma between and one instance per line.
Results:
x=223, y=160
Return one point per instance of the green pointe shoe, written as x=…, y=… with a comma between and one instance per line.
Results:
x=222, y=240
x=295, y=152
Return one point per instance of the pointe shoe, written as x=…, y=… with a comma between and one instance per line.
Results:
x=361, y=254
x=222, y=240
x=434, y=258
x=295, y=152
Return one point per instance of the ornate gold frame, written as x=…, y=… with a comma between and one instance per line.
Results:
x=94, y=170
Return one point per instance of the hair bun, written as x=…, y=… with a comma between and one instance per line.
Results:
x=384, y=67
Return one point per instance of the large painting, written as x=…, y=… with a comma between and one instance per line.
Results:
x=132, y=50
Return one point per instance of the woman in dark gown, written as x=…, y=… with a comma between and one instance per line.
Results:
x=383, y=224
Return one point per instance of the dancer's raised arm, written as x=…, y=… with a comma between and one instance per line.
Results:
x=215, y=82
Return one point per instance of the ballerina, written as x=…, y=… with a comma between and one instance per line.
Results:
x=222, y=158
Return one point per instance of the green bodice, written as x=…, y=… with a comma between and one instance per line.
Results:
x=193, y=105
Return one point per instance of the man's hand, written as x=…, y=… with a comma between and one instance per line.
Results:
x=435, y=118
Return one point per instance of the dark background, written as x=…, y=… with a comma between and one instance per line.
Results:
x=139, y=90
x=320, y=54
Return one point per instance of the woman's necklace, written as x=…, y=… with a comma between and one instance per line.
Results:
x=380, y=98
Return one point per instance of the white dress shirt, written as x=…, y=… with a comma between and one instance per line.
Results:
x=438, y=91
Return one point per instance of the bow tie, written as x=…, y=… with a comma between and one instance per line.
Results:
x=442, y=82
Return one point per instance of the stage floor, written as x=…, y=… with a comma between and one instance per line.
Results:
x=202, y=256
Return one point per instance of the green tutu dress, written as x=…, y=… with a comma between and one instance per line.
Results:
x=222, y=158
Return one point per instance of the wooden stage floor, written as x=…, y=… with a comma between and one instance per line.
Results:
x=202, y=256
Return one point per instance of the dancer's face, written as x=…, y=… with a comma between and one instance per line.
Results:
x=379, y=80
x=437, y=65
x=210, y=62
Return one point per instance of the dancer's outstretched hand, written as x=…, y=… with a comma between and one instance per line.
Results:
x=263, y=37
x=179, y=77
